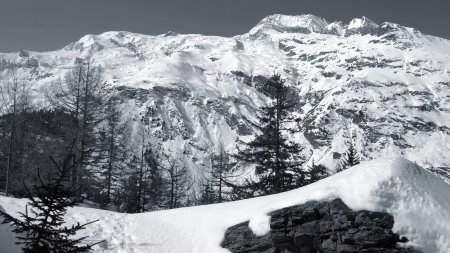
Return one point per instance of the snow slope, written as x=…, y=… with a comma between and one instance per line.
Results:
x=418, y=200
x=385, y=84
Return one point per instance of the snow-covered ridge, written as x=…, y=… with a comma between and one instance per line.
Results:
x=416, y=198
x=285, y=23
x=361, y=22
x=309, y=23
x=386, y=85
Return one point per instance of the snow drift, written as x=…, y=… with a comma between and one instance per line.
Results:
x=418, y=200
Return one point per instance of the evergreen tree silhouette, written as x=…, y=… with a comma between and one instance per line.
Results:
x=41, y=228
x=207, y=194
x=220, y=174
x=316, y=172
x=277, y=159
x=349, y=159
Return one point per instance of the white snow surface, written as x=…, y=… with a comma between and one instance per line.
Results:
x=418, y=200
x=361, y=22
x=387, y=85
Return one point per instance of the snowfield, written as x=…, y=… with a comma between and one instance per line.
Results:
x=418, y=200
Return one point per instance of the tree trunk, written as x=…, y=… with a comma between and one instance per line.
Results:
x=12, y=133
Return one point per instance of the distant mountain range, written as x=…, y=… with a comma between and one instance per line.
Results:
x=385, y=85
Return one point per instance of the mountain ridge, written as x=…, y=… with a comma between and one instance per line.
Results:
x=386, y=85
x=319, y=24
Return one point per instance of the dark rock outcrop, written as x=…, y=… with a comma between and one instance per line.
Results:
x=319, y=227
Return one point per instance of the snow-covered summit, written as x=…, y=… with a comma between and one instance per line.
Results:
x=416, y=198
x=307, y=23
x=361, y=23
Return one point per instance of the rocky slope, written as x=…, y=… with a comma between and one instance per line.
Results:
x=386, y=85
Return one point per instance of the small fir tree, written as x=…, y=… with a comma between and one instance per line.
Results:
x=349, y=159
x=42, y=227
x=316, y=172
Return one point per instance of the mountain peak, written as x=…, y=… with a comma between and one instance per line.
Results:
x=306, y=23
x=363, y=22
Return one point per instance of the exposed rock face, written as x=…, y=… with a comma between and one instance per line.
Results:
x=319, y=227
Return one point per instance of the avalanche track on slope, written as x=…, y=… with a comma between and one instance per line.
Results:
x=418, y=200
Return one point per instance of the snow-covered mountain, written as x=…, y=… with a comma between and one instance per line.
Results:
x=417, y=199
x=386, y=85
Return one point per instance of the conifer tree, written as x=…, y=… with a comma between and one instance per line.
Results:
x=80, y=94
x=154, y=192
x=220, y=173
x=316, y=172
x=277, y=159
x=113, y=140
x=137, y=176
x=132, y=183
x=14, y=104
x=178, y=181
x=42, y=227
x=143, y=183
x=208, y=195
x=349, y=159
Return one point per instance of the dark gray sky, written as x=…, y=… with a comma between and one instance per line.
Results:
x=41, y=25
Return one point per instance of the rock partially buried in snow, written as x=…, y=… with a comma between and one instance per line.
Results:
x=319, y=227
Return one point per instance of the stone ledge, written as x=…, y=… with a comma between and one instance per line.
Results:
x=323, y=227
